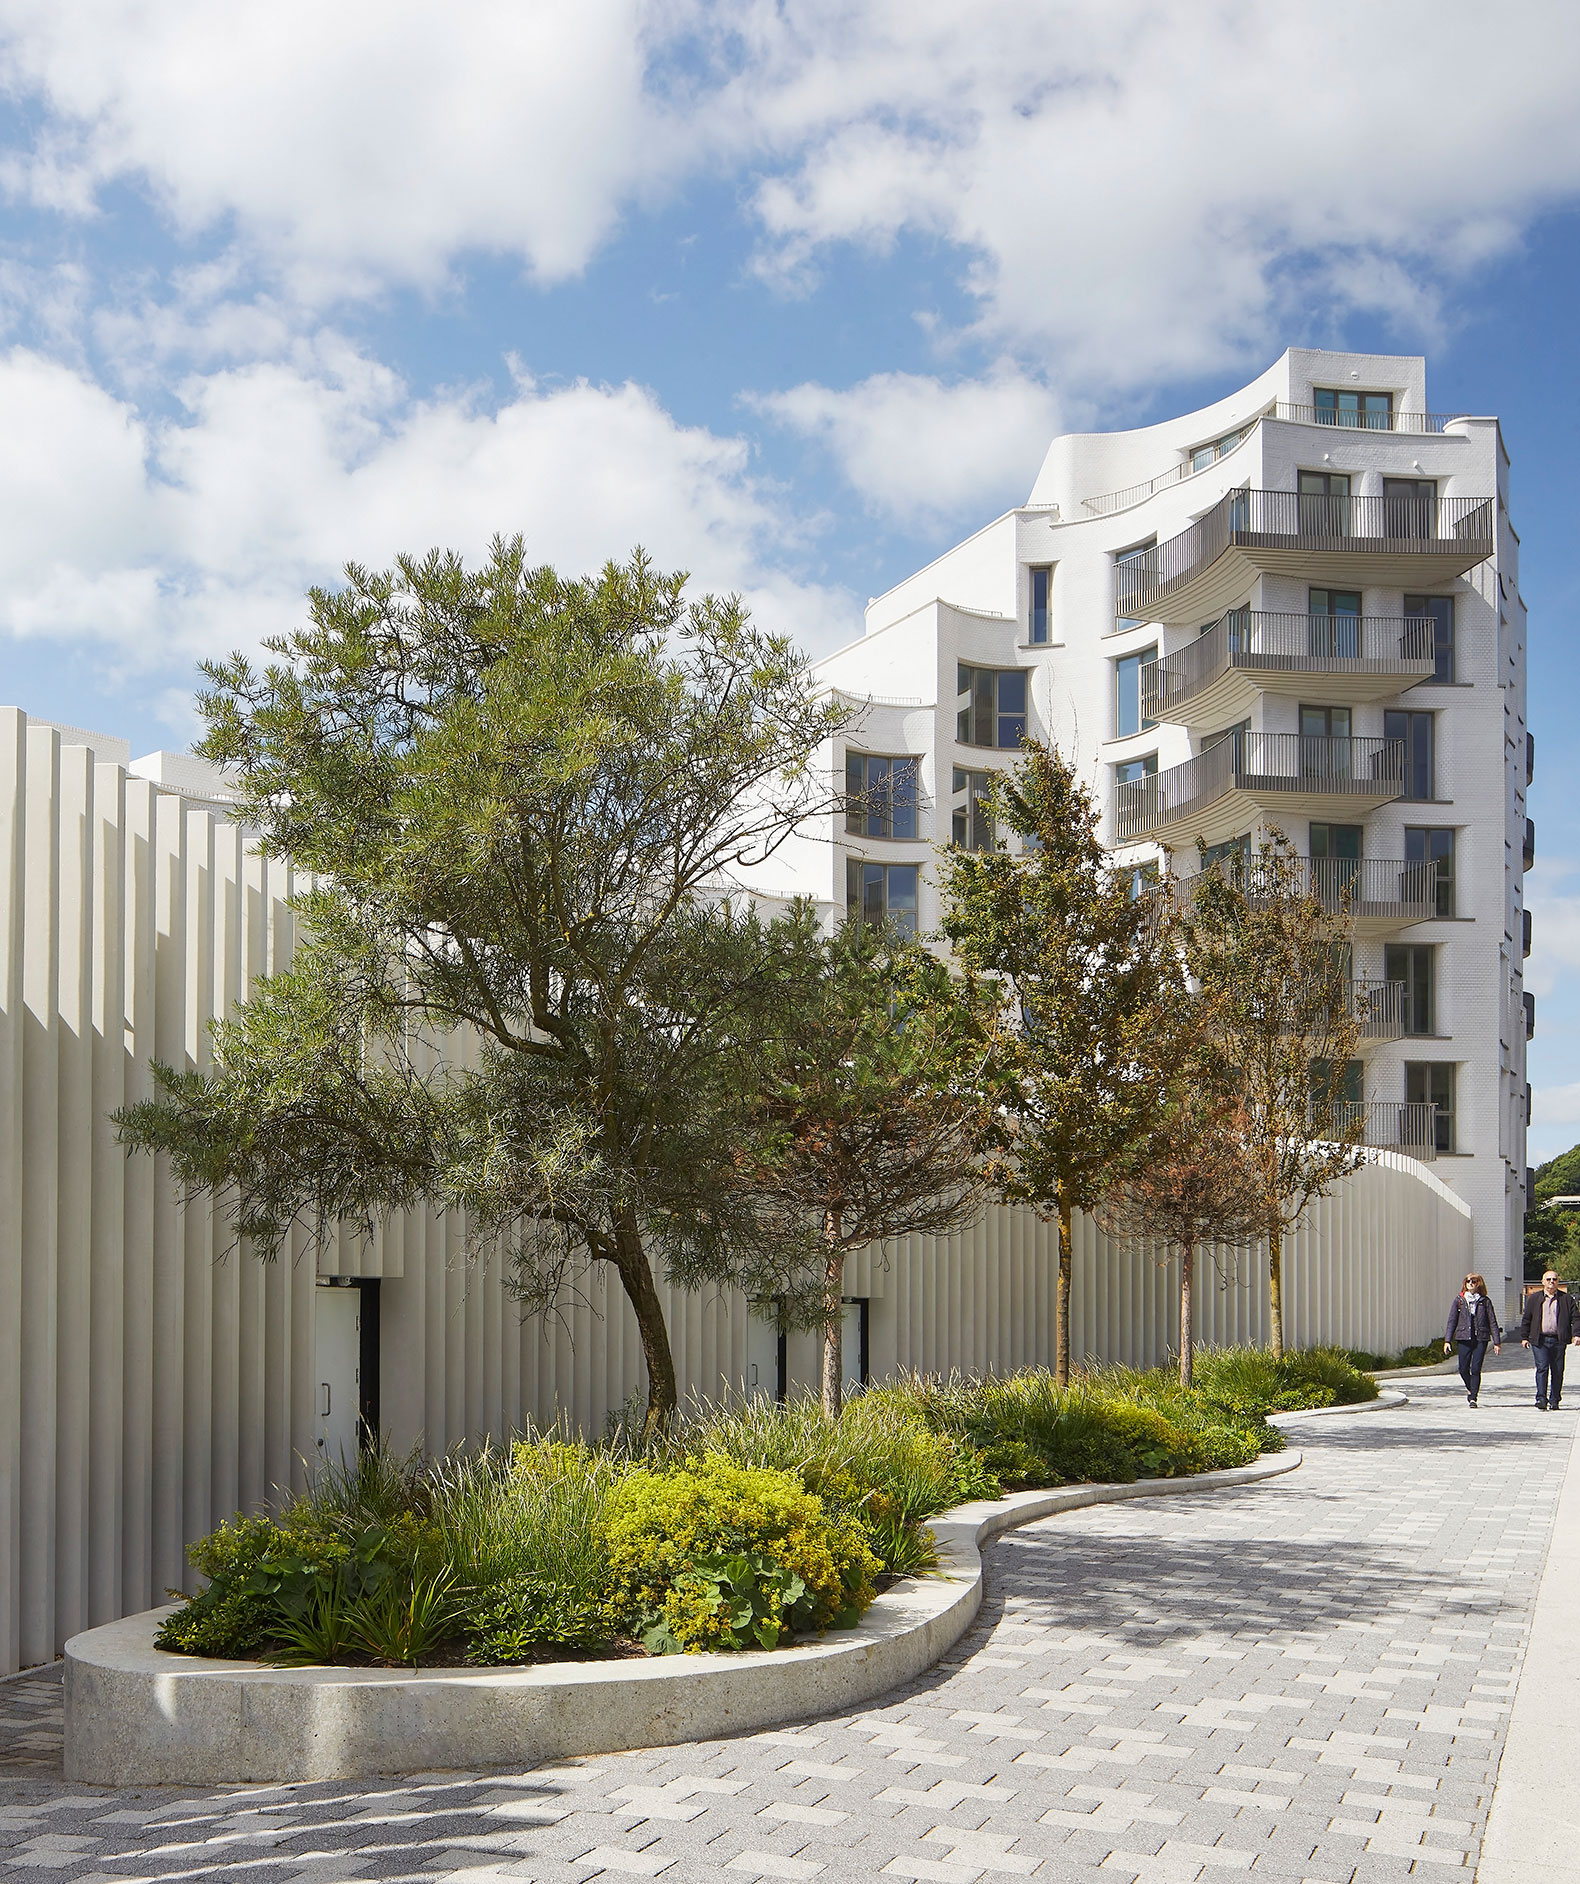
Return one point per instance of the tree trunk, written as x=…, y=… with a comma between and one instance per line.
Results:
x=1187, y=1315
x=1275, y=1291
x=1061, y=1303
x=833, y=1317
x=636, y=1276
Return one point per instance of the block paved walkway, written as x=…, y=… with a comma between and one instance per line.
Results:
x=1307, y=1679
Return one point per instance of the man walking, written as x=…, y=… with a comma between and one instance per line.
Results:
x=1547, y=1327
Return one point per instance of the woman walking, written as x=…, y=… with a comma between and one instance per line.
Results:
x=1472, y=1324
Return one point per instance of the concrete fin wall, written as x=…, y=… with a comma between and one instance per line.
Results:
x=153, y=1380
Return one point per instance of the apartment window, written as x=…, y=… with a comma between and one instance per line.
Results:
x=1337, y=405
x=1325, y=750
x=1409, y=507
x=1413, y=963
x=972, y=822
x=1239, y=847
x=1433, y=844
x=991, y=705
x=1123, y=560
x=1334, y=625
x=1432, y=1082
x=1324, y=503
x=1128, y=717
x=1439, y=610
x=1136, y=768
x=1037, y=626
x=881, y=795
x=1332, y=1085
x=1415, y=731
x=881, y=893
x=1143, y=879
x=1336, y=851
x=1205, y=455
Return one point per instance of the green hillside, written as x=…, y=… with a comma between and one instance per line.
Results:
x=1552, y=1237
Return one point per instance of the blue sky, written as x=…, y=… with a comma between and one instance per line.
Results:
x=793, y=292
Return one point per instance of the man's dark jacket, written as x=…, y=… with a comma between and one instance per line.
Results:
x=1465, y=1325
x=1531, y=1321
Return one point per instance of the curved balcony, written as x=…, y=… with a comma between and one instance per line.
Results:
x=1249, y=651
x=1383, y=894
x=1394, y=542
x=1250, y=775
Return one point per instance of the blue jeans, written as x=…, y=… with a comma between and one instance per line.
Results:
x=1471, y=1355
x=1549, y=1352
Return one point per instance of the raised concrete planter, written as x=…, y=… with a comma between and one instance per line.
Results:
x=138, y=1716
x=1387, y=1399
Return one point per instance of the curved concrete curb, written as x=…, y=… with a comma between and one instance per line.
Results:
x=138, y=1716
x=1385, y=1402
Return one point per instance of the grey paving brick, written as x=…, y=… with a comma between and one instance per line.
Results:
x=1306, y=1680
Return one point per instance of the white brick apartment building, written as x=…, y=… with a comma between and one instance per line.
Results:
x=1297, y=607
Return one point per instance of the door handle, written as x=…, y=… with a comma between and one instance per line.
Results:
x=324, y=1409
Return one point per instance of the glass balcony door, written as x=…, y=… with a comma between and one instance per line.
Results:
x=1324, y=743
x=1334, y=632
x=1324, y=504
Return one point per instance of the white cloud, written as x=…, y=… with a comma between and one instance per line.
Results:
x=1131, y=191
x=165, y=540
x=1153, y=191
x=354, y=143
x=918, y=449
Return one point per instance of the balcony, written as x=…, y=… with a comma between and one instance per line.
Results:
x=1248, y=775
x=1251, y=651
x=1370, y=420
x=1392, y=542
x=1379, y=1007
x=1384, y=894
x=1394, y=1125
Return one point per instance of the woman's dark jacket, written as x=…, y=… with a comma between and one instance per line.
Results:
x=1463, y=1325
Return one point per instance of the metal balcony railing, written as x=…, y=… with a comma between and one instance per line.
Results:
x=1395, y=1125
x=1260, y=641
x=1379, y=1007
x=1262, y=763
x=1374, y=888
x=1285, y=520
x=1366, y=421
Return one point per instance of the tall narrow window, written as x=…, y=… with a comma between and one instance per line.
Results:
x=972, y=823
x=1439, y=610
x=1432, y=1082
x=1434, y=844
x=991, y=706
x=1037, y=626
x=1372, y=411
x=1325, y=749
x=1409, y=507
x=1131, y=571
x=1336, y=851
x=1324, y=503
x=880, y=796
x=1128, y=717
x=881, y=893
x=1414, y=964
x=1415, y=731
x=1334, y=623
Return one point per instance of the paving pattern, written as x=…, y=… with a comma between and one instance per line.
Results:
x=1307, y=1679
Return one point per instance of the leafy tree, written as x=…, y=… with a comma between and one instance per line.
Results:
x=519, y=997
x=1195, y=1186
x=1549, y=1234
x=873, y=1110
x=1094, y=989
x=1272, y=964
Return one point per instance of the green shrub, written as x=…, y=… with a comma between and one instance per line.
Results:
x=227, y=1618
x=682, y=1545
x=1251, y=1383
x=517, y=1619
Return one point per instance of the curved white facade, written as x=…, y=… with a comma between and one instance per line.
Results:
x=1378, y=737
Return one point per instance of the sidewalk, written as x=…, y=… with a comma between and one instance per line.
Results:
x=1309, y=1679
